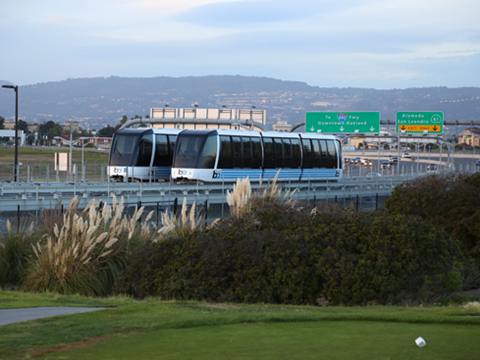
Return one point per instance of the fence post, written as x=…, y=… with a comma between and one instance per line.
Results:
x=175, y=204
x=206, y=211
x=18, y=219
x=139, y=205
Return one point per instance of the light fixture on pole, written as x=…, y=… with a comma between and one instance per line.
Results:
x=16, y=129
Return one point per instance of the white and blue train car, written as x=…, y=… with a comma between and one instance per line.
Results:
x=227, y=155
x=143, y=154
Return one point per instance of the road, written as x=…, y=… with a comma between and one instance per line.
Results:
x=408, y=166
x=9, y=316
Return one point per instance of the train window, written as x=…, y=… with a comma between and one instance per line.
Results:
x=269, y=159
x=187, y=150
x=307, y=154
x=237, y=152
x=172, y=139
x=256, y=154
x=317, y=157
x=145, y=150
x=206, y=160
x=247, y=152
x=225, y=160
x=339, y=154
x=162, y=157
x=332, y=155
x=296, y=156
x=323, y=147
x=122, y=149
x=287, y=148
x=278, y=144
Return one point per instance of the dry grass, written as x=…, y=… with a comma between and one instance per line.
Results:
x=475, y=306
x=241, y=198
x=86, y=246
x=49, y=218
x=238, y=199
x=175, y=226
x=273, y=192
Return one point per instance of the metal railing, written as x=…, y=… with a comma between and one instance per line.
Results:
x=47, y=172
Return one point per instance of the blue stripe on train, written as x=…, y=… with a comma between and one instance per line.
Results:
x=233, y=174
x=285, y=174
x=319, y=174
x=163, y=173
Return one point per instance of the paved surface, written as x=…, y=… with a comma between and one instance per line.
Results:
x=8, y=316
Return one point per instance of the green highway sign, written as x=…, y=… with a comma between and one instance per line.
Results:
x=342, y=122
x=419, y=122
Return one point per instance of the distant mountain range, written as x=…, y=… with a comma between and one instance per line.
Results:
x=97, y=102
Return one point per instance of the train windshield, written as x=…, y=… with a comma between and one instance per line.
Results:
x=131, y=149
x=195, y=150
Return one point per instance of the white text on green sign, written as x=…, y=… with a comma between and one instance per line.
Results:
x=342, y=122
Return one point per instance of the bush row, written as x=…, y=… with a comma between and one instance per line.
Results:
x=450, y=203
x=278, y=254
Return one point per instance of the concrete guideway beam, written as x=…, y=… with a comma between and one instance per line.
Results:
x=37, y=196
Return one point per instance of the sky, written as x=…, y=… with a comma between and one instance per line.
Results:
x=381, y=44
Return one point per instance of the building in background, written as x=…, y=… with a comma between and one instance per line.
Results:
x=198, y=118
x=9, y=125
x=282, y=126
x=470, y=136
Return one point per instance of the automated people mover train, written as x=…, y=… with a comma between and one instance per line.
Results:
x=226, y=155
x=143, y=154
x=160, y=154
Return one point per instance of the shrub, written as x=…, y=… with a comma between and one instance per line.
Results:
x=15, y=249
x=255, y=258
x=279, y=254
x=450, y=203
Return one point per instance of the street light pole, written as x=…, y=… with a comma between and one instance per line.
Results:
x=16, y=129
x=70, y=160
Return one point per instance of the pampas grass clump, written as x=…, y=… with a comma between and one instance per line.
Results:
x=241, y=199
x=177, y=226
x=85, y=254
x=238, y=199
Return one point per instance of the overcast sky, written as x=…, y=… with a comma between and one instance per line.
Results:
x=335, y=43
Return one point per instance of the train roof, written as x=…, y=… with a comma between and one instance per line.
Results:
x=258, y=133
x=167, y=131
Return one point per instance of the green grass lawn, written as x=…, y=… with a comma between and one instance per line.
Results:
x=153, y=329
x=300, y=340
x=34, y=163
x=47, y=155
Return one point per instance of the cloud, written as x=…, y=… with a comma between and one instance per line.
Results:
x=241, y=13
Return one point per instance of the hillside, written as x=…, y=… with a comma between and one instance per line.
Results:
x=97, y=102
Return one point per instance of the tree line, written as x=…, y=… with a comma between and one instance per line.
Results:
x=49, y=129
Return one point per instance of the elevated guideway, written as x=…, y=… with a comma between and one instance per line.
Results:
x=36, y=196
